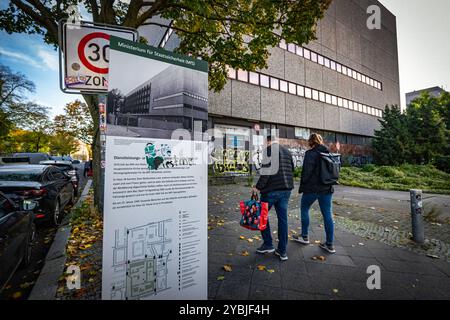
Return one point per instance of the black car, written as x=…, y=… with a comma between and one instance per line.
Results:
x=67, y=167
x=16, y=236
x=49, y=186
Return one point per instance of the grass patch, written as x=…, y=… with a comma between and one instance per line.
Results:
x=402, y=178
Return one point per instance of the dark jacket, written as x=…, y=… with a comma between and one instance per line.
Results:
x=310, y=180
x=283, y=179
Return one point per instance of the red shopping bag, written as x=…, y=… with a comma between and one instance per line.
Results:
x=254, y=214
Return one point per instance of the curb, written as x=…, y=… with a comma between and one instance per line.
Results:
x=47, y=282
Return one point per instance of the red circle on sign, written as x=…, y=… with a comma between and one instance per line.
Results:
x=83, y=58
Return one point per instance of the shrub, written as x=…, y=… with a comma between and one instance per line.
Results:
x=368, y=167
x=297, y=172
x=443, y=163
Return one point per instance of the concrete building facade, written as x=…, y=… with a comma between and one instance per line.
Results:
x=433, y=91
x=337, y=85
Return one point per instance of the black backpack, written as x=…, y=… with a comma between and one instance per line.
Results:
x=330, y=166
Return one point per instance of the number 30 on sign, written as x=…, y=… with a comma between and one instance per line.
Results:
x=86, y=56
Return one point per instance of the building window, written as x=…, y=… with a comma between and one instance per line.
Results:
x=354, y=74
x=339, y=101
x=315, y=94
x=231, y=73
x=308, y=93
x=313, y=57
x=345, y=103
x=242, y=75
x=292, y=88
x=364, y=108
x=307, y=54
x=274, y=83
x=322, y=96
x=254, y=78
x=328, y=98
x=344, y=70
x=333, y=65
x=326, y=62
x=283, y=44
x=339, y=67
x=264, y=80
x=334, y=100
x=291, y=47
x=283, y=86
x=320, y=60
x=358, y=76
x=300, y=91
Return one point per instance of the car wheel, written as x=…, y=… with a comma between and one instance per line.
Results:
x=57, y=214
x=26, y=260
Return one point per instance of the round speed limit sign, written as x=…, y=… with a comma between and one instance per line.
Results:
x=97, y=57
x=86, y=55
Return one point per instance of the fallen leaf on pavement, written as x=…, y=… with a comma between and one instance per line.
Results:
x=270, y=270
x=321, y=258
x=227, y=268
x=17, y=295
x=242, y=237
x=245, y=253
x=261, y=267
x=221, y=278
x=250, y=240
x=335, y=290
x=360, y=243
x=316, y=241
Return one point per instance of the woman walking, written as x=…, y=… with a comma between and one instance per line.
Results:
x=313, y=189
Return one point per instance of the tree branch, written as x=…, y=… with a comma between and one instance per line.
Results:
x=43, y=20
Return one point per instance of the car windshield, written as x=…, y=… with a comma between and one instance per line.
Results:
x=11, y=175
x=57, y=158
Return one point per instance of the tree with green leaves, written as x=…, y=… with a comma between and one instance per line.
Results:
x=76, y=122
x=61, y=143
x=427, y=129
x=13, y=87
x=392, y=142
x=237, y=33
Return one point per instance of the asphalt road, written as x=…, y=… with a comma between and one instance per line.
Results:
x=392, y=200
x=21, y=284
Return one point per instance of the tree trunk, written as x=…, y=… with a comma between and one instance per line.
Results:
x=92, y=102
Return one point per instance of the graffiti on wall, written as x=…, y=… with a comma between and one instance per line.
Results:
x=356, y=160
x=298, y=155
x=230, y=161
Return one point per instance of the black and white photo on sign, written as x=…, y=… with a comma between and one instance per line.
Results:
x=150, y=98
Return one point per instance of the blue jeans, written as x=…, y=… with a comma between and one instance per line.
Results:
x=279, y=199
x=325, y=207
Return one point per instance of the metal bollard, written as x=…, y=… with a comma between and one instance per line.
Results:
x=416, y=215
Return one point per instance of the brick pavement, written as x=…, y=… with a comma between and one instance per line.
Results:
x=406, y=273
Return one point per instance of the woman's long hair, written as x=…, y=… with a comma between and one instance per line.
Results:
x=315, y=139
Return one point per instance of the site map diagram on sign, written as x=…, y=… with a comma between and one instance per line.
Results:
x=140, y=261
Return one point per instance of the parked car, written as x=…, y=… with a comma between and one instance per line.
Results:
x=34, y=157
x=17, y=231
x=67, y=167
x=50, y=187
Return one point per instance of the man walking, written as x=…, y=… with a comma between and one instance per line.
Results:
x=275, y=189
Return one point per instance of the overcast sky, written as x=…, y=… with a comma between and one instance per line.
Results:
x=423, y=29
x=423, y=36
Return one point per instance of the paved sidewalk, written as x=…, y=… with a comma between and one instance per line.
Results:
x=404, y=274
